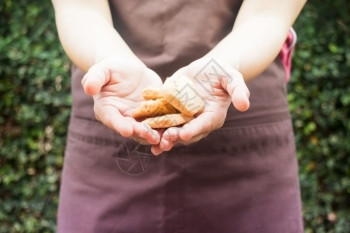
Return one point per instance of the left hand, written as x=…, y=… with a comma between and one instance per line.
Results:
x=116, y=86
x=218, y=84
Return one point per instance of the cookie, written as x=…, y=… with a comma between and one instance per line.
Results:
x=182, y=95
x=173, y=104
x=180, y=92
x=151, y=108
x=152, y=93
x=166, y=121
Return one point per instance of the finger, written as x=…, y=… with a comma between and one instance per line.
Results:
x=145, y=138
x=114, y=120
x=95, y=79
x=166, y=145
x=145, y=132
x=169, y=138
x=195, y=139
x=156, y=150
x=200, y=125
x=240, y=99
x=237, y=89
x=171, y=134
x=140, y=141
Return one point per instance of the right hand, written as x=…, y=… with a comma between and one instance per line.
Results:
x=116, y=86
x=218, y=89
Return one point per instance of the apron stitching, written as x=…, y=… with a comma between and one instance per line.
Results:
x=275, y=124
x=94, y=140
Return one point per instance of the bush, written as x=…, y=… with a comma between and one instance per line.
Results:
x=35, y=106
x=319, y=95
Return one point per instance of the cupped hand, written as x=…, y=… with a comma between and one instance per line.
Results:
x=116, y=86
x=218, y=84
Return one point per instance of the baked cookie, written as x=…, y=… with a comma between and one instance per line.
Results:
x=166, y=121
x=180, y=92
x=151, y=108
x=173, y=104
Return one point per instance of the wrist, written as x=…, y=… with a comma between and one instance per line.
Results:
x=102, y=54
x=223, y=57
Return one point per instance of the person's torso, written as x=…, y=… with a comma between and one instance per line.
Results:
x=167, y=35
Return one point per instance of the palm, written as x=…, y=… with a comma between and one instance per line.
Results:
x=116, y=87
x=209, y=86
x=216, y=98
x=124, y=91
x=218, y=85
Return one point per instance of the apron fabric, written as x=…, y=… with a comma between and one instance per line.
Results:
x=242, y=178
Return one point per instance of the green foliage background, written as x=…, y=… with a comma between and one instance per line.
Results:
x=319, y=96
x=35, y=106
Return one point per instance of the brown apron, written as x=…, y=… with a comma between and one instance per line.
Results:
x=242, y=178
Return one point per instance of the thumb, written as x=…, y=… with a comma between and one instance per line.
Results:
x=240, y=99
x=237, y=89
x=96, y=77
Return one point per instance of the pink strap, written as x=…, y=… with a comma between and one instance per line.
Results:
x=286, y=52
